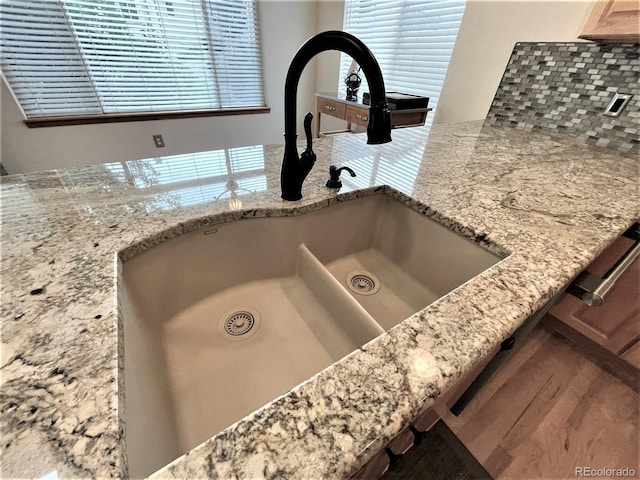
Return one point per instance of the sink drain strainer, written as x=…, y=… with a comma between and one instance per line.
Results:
x=239, y=324
x=363, y=283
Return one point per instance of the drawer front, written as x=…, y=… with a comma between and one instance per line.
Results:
x=329, y=107
x=614, y=324
x=402, y=119
x=357, y=115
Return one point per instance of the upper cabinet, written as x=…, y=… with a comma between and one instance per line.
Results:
x=613, y=20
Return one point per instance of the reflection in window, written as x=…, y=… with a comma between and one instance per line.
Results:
x=195, y=178
x=18, y=201
x=395, y=164
x=207, y=193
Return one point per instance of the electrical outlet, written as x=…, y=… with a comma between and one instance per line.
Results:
x=158, y=140
x=618, y=103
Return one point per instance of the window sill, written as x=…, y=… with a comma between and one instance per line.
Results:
x=139, y=117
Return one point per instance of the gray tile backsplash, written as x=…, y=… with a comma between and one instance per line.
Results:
x=567, y=86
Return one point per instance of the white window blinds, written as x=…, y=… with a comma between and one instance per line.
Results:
x=77, y=57
x=411, y=39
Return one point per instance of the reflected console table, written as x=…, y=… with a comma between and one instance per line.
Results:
x=356, y=112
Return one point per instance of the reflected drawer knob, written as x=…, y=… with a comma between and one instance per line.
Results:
x=329, y=108
x=364, y=118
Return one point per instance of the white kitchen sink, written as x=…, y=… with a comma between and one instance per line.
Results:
x=222, y=320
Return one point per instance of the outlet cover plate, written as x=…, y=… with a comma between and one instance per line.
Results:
x=158, y=140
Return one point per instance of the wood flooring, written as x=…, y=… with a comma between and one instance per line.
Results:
x=548, y=410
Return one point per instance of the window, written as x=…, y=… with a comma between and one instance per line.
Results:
x=411, y=39
x=96, y=57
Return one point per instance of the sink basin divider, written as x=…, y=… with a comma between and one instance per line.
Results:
x=357, y=323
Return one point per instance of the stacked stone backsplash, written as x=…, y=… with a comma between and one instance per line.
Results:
x=566, y=87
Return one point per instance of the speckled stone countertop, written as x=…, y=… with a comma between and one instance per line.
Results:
x=549, y=203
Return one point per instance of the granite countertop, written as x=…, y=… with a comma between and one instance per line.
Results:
x=548, y=203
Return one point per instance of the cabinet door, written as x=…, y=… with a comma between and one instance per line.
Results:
x=613, y=20
x=402, y=119
x=357, y=115
x=331, y=107
x=632, y=356
x=614, y=325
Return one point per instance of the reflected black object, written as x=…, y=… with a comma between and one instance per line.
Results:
x=295, y=169
x=334, y=176
x=352, y=82
x=508, y=344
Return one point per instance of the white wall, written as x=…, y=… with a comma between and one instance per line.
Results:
x=330, y=17
x=488, y=32
x=285, y=26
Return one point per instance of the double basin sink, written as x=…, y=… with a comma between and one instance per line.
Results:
x=222, y=320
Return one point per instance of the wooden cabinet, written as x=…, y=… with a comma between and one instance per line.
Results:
x=330, y=107
x=610, y=331
x=407, y=119
x=355, y=113
x=613, y=20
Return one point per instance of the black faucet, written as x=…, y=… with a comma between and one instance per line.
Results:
x=295, y=169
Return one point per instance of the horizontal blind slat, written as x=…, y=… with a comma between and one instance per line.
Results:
x=130, y=56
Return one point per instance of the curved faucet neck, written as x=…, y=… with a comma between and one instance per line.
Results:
x=331, y=40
